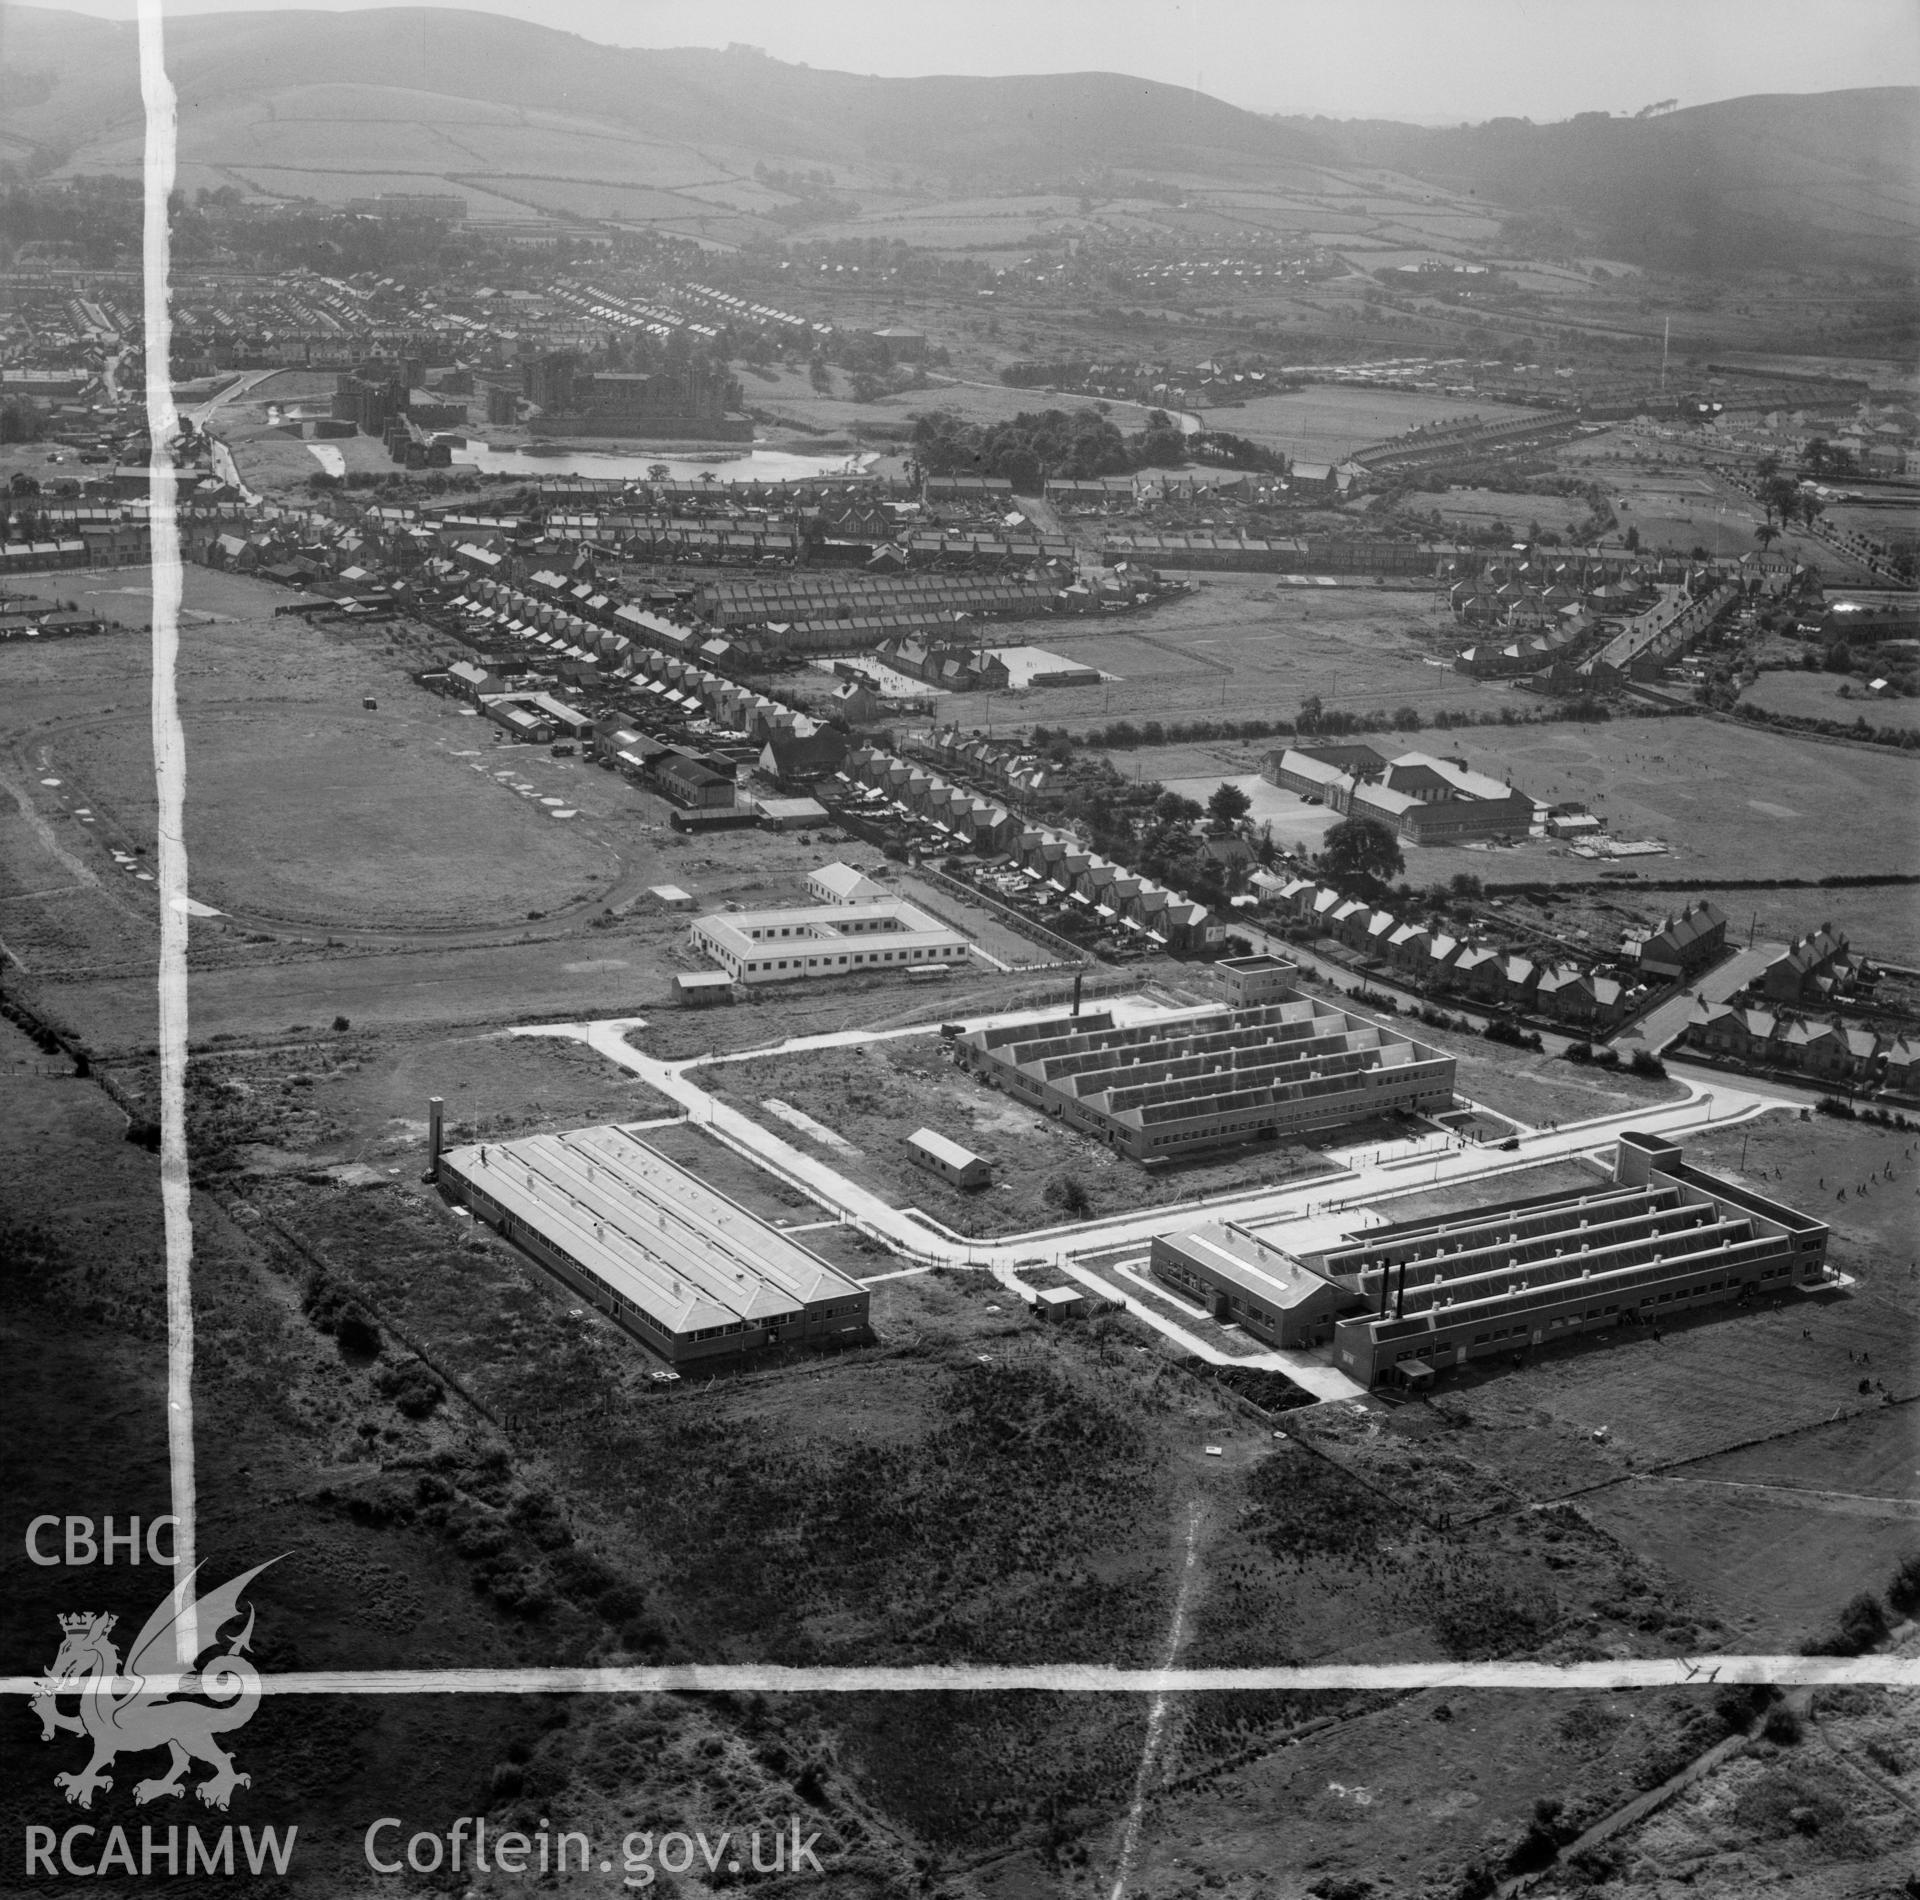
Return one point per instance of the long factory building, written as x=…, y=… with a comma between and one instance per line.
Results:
x=1401, y=1303
x=1218, y=1079
x=681, y=1267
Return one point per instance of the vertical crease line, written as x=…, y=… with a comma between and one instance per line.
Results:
x=170, y=786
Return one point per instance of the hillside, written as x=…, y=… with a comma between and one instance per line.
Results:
x=388, y=99
x=1780, y=178
x=530, y=122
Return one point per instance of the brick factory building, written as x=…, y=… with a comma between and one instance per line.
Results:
x=683, y=1269
x=689, y=401
x=1401, y=1303
x=1660, y=1240
x=1213, y=1079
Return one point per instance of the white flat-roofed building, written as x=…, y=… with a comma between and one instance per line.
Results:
x=681, y=1267
x=783, y=946
x=1258, y=978
x=791, y=814
x=1243, y=1280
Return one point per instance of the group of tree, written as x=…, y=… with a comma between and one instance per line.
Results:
x=19, y=521
x=20, y=422
x=1035, y=446
x=1782, y=497
x=1362, y=850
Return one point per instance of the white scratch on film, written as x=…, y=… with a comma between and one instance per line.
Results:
x=170, y=785
x=1157, y=1711
x=1634, y=1672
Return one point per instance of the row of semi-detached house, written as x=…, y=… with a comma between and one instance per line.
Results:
x=1830, y=1051
x=683, y=687
x=1435, y=962
x=1111, y=891
x=1027, y=777
x=976, y=823
x=1059, y=859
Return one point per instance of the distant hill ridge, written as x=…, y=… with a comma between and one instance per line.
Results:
x=1769, y=179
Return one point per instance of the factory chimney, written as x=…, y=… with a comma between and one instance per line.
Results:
x=1079, y=977
x=436, y=1110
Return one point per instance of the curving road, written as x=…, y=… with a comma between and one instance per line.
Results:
x=1380, y=1172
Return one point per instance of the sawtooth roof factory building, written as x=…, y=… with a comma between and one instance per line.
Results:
x=682, y=1268
x=1215, y=1079
x=885, y=937
x=1401, y=1303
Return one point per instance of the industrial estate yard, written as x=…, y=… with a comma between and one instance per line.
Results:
x=1063, y=882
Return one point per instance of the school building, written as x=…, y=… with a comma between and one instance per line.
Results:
x=889, y=937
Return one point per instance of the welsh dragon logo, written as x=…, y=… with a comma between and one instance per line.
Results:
x=135, y=1709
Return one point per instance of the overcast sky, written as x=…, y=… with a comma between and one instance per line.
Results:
x=1430, y=60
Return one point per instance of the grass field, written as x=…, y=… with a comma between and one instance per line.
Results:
x=401, y=834
x=1830, y=696
x=1866, y=1456
x=1424, y=1786
x=311, y=815
x=1775, y=1566
x=875, y=1095
x=1242, y=647
x=1477, y=507
x=1730, y=802
x=1538, y=1089
x=1328, y=421
x=1673, y=495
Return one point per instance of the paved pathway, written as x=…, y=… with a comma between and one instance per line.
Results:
x=1377, y=1173
x=1659, y=1026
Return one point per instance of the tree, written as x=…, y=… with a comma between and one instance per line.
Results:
x=1228, y=805
x=1310, y=712
x=1766, y=534
x=1068, y=1193
x=1358, y=847
x=1171, y=808
x=1780, y=495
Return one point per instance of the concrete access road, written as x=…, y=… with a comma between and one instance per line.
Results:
x=1310, y=1213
